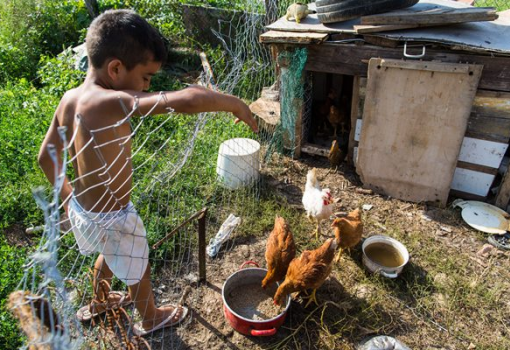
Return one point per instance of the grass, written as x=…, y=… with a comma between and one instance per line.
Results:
x=447, y=296
x=500, y=5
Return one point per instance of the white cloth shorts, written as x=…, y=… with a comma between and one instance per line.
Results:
x=119, y=235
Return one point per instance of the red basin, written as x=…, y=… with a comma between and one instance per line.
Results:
x=241, y=323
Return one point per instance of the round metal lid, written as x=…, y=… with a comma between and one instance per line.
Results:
x=483, y=217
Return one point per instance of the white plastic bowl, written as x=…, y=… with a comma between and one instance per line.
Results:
x=238, y=163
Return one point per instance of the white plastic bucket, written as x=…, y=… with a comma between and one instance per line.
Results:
x=238, y=162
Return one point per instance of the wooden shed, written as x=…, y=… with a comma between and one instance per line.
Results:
x=428, y=108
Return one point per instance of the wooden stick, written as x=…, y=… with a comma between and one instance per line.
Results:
x=170, y=234
x=33, y=314
x=363, y=190
x=208, y=72
x=201, y=246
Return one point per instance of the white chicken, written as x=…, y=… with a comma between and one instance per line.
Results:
x=318, y=203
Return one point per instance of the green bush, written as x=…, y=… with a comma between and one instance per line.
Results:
x=31, y=28
x=59, y=74
x=25, y=115
x=10, y=274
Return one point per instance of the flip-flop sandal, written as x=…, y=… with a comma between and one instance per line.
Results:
x=138, y=329
x=500, y=241
x=84, y=314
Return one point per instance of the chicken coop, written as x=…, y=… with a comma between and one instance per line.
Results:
x=421, y=111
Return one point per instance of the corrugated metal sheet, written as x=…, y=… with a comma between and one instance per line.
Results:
x=490, y=36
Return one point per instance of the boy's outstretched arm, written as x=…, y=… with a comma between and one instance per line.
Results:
x=46, y=163
x=196, y=99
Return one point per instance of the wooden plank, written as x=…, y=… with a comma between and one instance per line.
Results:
x=268, y=112
x=471, y=181
x=482, y=152
x=354, y=116
x=437, y=16
x=477, y=167
x=315, y=150
x=426, y=66
x=292, y=37
x=299, y=106
x=342, y=36
x=377, y=28
x=468, y=196
x=352, y=59
x=493, y=104
x=503, y=195
x=409, y=147
x=312, y=24
x=494, y=137
x=357, y=130
x=358, y=100
x=475, y=154
x=490, y=116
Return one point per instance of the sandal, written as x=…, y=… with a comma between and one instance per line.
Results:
x=139, y=331
x=85, y=314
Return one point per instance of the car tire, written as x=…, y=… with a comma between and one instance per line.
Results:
x=324, y=3
x=345, y=12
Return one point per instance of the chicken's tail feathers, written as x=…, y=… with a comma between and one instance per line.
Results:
x=311, y=179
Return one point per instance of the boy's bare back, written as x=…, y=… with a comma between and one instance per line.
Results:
x=101, y=149
x=95, y=113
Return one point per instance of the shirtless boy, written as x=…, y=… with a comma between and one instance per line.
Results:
x=124, y=53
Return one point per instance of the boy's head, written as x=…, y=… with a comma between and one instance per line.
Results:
x=126, y=36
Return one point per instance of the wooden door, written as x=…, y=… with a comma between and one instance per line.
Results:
x=414, y=120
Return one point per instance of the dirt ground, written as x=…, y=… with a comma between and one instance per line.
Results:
x=453, y=294
x=450, y=295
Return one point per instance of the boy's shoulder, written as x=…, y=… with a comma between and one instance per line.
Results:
x=96, y=103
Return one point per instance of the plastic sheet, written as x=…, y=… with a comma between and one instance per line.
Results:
x=383, y=342
x=223, y=234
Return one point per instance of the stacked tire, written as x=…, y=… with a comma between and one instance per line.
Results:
x=330, y=11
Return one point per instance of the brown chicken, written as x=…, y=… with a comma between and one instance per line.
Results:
x=336, y=155
x=326, y=106
x=338, y=116
x=348, y=231
x=280, y=250
x=309, y=271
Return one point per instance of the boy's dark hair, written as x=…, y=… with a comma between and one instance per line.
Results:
x=125, y=35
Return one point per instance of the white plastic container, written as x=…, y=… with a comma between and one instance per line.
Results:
x=238, y=163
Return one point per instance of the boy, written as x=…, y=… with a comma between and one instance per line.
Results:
x=124, y=53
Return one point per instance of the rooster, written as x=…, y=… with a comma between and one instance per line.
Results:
x=318, y=203
x=348, y=231
x=280, y=250
x=336, y=155
x=309, y=271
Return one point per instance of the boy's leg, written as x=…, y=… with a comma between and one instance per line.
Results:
x=103, y=273
x=143, y=297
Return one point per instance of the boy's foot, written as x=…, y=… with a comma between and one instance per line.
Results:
x=115, y=299
x=176, y=314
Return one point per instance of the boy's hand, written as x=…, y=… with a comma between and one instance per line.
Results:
x=244, y=114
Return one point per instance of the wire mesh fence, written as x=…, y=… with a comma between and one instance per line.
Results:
x=500, y=5
x=176, y=173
